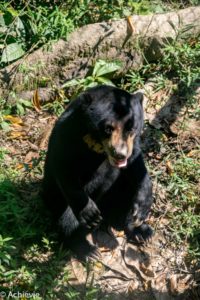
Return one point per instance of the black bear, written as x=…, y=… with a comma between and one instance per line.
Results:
x=94, y=169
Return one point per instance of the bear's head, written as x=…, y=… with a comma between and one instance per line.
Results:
x=114, y=119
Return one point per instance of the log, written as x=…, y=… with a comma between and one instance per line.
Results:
x=129, y=40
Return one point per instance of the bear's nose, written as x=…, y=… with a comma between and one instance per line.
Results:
x=119, y=155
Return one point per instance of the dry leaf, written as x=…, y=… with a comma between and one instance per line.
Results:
x=183, y=283
x=119, y=234
x=98, y=265
x=104, y=249
x=17, y=127
x=163, y=222
x=36, y=100
x=194, y=153
x=158, y=157
x=173, y=283
x=130, y=24
x=17, y=134
x=13, y=120
x=165, y=138
x=19, y=166
x=79, y=271
x=169, y=167
x=30, y=155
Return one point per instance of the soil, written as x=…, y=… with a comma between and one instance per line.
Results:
x=159, y=270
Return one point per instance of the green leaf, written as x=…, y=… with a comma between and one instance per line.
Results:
x=20, y=27
x=5, y=19
x=90, y=85
x=3, y=26
x=102, y=67
x=20, y=109
x=26, y=103
x=6, y=239
x=5, y=126
x=12, y=52
x=12, y=11
x=72, y=82
x=105, y=81
x=2, y=22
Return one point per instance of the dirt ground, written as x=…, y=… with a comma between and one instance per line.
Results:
x=159, y=270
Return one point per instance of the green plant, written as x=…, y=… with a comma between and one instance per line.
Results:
x=178, y=69
x=57, y=106
x=27, y=26
x=21, y=106
x=182, y=59
x=3, y=111
x=183, y=189
x=12, y=34
x=5, y=258
x=31, y=80
x=135, y=80
x=100, y=73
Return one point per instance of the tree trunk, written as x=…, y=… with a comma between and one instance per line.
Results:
x=113, y=40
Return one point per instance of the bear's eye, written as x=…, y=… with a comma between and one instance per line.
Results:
x=108, y=129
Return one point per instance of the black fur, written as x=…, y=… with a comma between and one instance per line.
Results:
x=81, y=187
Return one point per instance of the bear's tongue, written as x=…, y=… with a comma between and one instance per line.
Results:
x=121, y=163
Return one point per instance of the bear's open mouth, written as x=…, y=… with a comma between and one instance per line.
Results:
x=119, y=163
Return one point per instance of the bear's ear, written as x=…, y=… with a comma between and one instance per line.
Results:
x=138, y=97
x=87, y=99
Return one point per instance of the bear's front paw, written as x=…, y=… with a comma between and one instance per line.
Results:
x=90, y=216
x=138, y=216
x=140, y=234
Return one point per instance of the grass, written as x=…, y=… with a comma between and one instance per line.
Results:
x=31, y=260
x=177, y=75
x=183, y=190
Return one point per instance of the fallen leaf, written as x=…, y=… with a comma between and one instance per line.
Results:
x=17, y=127
x=173, y=283
x=183, y=283
x=13, y=120
x=79, y=271
x=119, y=233
x=165, y=138
x=19, y=166
x=130, y=24
x=104, y=249
x=194, y=153
x=36, y=100
x=169, y=167
x=30, y=155
x=98, y=264
x=17, y=134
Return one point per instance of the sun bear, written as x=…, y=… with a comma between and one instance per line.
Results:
x=94, y=171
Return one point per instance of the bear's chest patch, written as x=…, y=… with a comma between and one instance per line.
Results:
x=92, y=144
